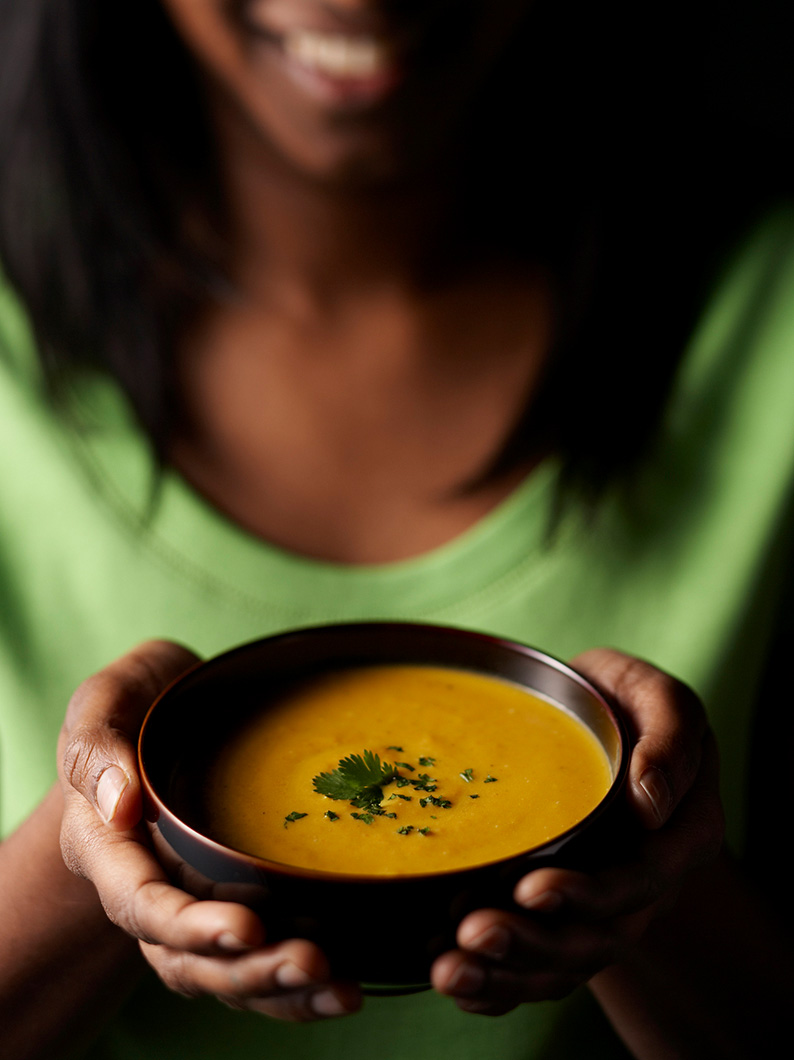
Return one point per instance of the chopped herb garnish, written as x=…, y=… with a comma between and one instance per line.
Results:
x=294, y=816
x=369, y=800
x=393, y=747
x=360, y=778
x=424, y=782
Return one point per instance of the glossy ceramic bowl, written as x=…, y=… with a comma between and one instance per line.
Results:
x=380, y=930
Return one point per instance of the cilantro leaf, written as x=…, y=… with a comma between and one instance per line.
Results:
x=353, y=776
x=359, y=780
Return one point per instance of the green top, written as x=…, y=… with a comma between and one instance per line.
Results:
x=690, y=579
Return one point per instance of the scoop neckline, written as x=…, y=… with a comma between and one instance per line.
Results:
x=201, y=543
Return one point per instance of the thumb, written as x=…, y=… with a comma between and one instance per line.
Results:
x=96, y=750
x=667, y=723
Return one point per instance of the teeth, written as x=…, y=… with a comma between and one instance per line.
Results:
x=336, y=54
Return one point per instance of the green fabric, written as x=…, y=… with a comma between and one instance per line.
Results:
x=689, y=577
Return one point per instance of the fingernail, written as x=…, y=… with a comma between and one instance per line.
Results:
x=227, y=941
x=326, y=1003
x=289, y=976
x=545, y=902
x=467, y=980
x=654, y=783
x=109, y=789
x=495, y=942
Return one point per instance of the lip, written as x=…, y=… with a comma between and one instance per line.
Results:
x=283, y=16
x=297, y=34
x=363, y=87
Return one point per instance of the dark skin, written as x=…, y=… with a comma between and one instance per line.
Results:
x=316, y=397
x=340, y=403
x=576, y=923
x=336, y=406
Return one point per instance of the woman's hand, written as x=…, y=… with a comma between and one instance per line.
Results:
x=196, y=947
x=575, y=924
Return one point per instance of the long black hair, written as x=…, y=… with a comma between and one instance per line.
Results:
x=104, y=144
x=645, y=121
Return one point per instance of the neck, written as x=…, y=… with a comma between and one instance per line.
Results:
x=371, y=366
x=320, y=238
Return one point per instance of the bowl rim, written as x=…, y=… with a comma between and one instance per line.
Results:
x=270, y=866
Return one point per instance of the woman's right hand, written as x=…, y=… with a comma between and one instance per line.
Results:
x=196, y=947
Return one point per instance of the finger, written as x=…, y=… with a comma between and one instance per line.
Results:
x=335, y=999
x=505, y=960
x=289, y=981
x=479, y=986
x=655, y=864
x=290, y=965
x=667, y=722
x=139, y=898
x=589, y=898
x=97, y=747
x=521, y=944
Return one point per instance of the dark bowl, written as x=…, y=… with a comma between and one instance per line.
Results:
x=381, y=930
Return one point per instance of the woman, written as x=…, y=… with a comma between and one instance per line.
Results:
x=347, y=308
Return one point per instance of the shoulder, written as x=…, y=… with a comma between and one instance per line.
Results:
x=741, y=349
x=757, y=276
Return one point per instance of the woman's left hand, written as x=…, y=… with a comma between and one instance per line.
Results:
x=574, y=924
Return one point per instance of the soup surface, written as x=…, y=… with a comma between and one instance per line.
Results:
x=472, y=769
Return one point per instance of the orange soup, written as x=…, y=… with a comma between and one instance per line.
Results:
x=428, y=769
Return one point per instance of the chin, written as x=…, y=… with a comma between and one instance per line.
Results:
x=360, y=169
x=355, y=152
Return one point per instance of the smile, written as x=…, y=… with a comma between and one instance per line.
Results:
x=339, y=55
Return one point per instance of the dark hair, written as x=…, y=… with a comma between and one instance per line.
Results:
x=633, y=196
x=104, y=145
